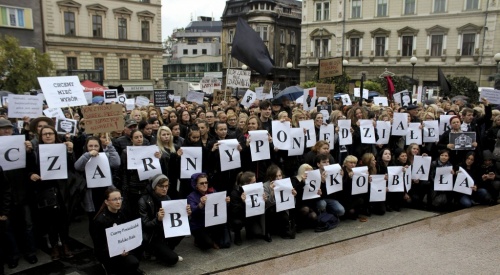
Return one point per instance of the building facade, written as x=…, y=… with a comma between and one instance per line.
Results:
x=22, y=19
x=120, y=40
x=459, y=36
x=196, y=50
x=278, y=24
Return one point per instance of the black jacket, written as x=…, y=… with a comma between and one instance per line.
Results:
x=104, y=219
x=5, y=194
x=149, y=205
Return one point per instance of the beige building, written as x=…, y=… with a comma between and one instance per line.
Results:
x=121, y=38
x=460, y=36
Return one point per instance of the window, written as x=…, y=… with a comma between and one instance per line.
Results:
x=123, y=69
x=207, y=39
x=379, y=46
x=122, y=28
x=356, y=9
x=355, y=46
x=262, y=31
x=97, y=25
x=436, y=45
x=203, y=51
x=321, y=47
x=16, y=17
x=192, y=41
x=282, y=36
x=407, y=42
x=472, y=4
x=231, y=35
x=195, y=51
x=381, y=8
x=69, y=23
x=145, y=30
x=292, y=38
x=72, y=63
x=185, y=51
x=322, y=11
x=146, y=69
x=468, y=41
x=410, y=6
x=439, y=6
x=99, y=63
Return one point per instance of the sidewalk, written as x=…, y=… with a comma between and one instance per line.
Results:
x=198, y=262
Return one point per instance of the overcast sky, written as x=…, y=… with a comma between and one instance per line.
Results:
x=178, y=13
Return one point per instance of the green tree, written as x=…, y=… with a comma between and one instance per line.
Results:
x=20, y=67
x=461, y=85
x=373, y=86
x=341, y=82
x=400, y=84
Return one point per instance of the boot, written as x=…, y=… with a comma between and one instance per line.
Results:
x=67, y=252
x=54, y=254
x=237, y=237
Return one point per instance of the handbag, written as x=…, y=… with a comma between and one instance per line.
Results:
x=47, y=198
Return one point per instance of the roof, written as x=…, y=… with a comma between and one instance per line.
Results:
x=204, y=26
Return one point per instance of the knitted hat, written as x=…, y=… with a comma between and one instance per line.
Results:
x=155, y=179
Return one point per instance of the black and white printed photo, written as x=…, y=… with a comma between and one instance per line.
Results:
x=463, y=141
x=64, y=126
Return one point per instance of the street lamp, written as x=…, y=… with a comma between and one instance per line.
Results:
x=497, y=59
x=244, y=67
x=413, y=61
x=289, y=65
x=344, y=65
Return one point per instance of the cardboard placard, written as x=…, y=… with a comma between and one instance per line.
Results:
x=268, y=86
x=219, y=95
x=103, y=118
x=325, y=90
x=330, y=67
x=238, y=78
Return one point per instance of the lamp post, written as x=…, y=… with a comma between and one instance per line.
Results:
x=289, y=66
x=497, y=59
x=413, y=61
x=344, y=64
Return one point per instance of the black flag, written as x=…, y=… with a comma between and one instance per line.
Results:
x=443, y=82
x=249, y=48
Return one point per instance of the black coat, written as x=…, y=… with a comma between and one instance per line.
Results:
x=149, y=205
x=5, y=194
x=103, y=220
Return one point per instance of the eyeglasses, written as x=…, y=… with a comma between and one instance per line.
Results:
x=48, y=134
x=162, y=186
x=209, y=116
x=116, y=199
x=203, y=183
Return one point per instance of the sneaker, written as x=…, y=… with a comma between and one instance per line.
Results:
x=180, y=259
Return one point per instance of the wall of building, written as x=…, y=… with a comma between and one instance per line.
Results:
x=31, y=36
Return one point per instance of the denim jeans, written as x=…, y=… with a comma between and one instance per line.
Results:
x=331, y=206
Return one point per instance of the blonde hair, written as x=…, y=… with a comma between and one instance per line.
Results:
x=170, y=145
x=303, y=168
x=282, y=114
x=350, y=158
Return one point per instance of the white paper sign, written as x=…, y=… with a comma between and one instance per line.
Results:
x=367, y=131
x=122, y=99
x=357, y=93
x=98, y=172
x=400, y=124
x=383, y=131
x=463, y=182
x=215, y=209
x=176, y=220
x=421, y=168
x=110, y=95
x=309, y=102
x=431, y=131
x=283, y=195
x=259, y=145
x=443, y=181
x=345, y=135
x=88, y=97
x=414, y=134
x=259, y=91
x=12, y=152
x=444, y=123
x=310, y=132
x=53, y=161
x=381, y=101
x=249, y=98
x=62, y=91
x=191, y=161
x=334, y=182
x=313, y=184
x=492, y=95
x=407, y=178
x=130, y=104
x=194, y=96
x=142, y=159
x=281, y=134
x=326, y=133
x=24, y=105
x=377, y=188
x=254, y=200
x=395, y=179
x=238, y=78
x=360, y=180
x=297, y=142
x=124, y=237
x=346, y=100
x=141, y=101
x=229, y=155
x=54, y=112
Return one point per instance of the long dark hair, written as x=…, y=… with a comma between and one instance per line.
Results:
x=93, y=138
x=40, y=140
x=106, y=196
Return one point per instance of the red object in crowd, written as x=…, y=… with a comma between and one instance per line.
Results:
x=96, y=89
x=390, y=86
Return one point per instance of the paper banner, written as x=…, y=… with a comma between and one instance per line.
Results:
x=421, y=168
x=283, y=195
x=310, y=133
x=297, y=142
x=414, y=134
x=259, y=145
x=400, y=124
x=98, y=172
x=124, y=237
x=24, y=105
x=176, y=220
x=191, y=161
x=334, y=182
x=229, y=155
x=431, y=131
x=345, y=135
x=443, y=181
x=254, y=200
x=12, y=152
x=215, y=209
x=360, y=180
x=313, y=184
x=281, y=135
x=53, y=161
x=62, y=91
x=463, y=182
x=378, y=188
x=326, y=133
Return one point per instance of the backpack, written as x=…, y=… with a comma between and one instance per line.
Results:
x=326, y=221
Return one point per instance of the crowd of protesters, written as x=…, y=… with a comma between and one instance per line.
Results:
x=37, y=213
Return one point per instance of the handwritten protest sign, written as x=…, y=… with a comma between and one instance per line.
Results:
x=492, y=95
x=141, y=101
x=238, y=78
x=208, y=84
x=24, y=105
x=54, y=112
x=103, y=118
x=324, y=89
x=330, y=67
x=194, y=96
x=124, y=237
x=268, y=87
x=62, y=91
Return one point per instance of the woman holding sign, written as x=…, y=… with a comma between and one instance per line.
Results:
x=52, y=210
x=93, y=146
x=108, y=216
